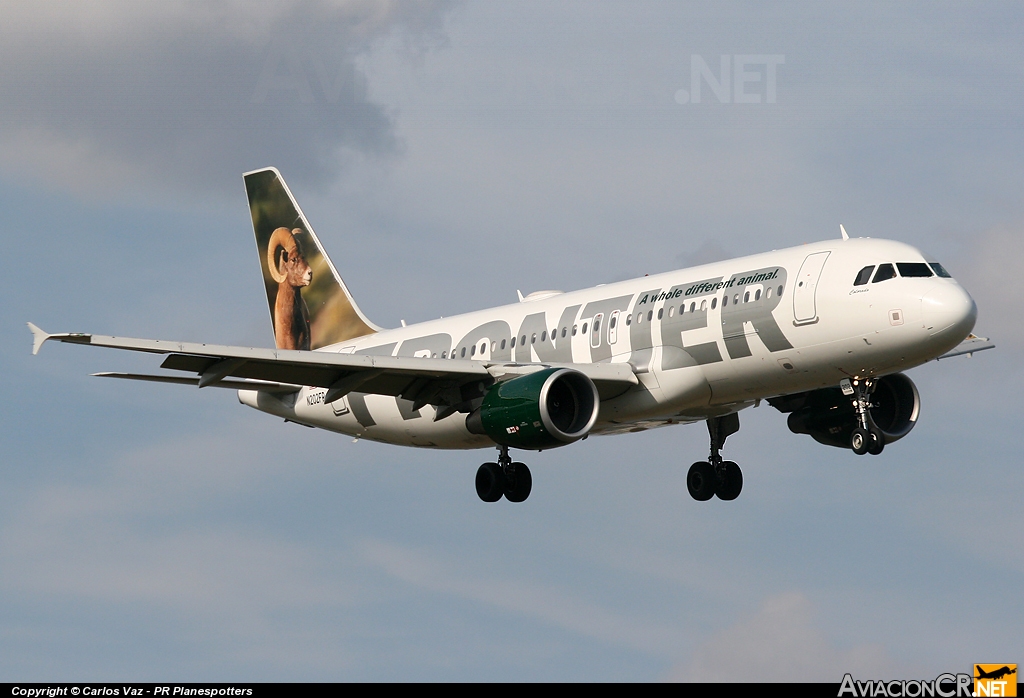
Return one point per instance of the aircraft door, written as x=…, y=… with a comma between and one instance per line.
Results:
x=595, y=331
x=804, y=309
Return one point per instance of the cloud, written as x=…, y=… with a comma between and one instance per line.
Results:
x=991, y=272
x=780, y=643
x=104, y=94
x=547, y=604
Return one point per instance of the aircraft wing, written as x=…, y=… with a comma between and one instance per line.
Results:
x=970, y=345
x=423, y=380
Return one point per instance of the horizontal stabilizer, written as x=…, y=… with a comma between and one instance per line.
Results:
x=265, y=386
x=968, y=346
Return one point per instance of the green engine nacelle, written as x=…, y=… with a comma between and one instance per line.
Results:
x=552, y=407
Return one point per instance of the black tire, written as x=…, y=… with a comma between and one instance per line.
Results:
x=490, y=482
x=701, y=481
x=730, y=486
x=876, y=442
x=520, y=489
x=860, y=439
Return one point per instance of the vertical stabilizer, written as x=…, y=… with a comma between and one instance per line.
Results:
x=310, y=307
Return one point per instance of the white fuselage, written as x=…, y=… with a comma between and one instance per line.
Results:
x=703, y=341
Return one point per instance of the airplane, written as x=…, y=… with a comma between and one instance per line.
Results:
x=822, y=332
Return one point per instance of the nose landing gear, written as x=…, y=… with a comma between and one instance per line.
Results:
x=866, y=436
x=716, y=477
x=503, y=479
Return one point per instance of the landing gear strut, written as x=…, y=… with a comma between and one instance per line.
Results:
x=716, y=476
x=866, y=437
x=504, y=478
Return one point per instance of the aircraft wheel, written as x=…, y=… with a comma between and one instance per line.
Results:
x=519, y=490
x=701, y=481
x=876, y=442
x=729, y=488
x=490, y=482
x=860, y=439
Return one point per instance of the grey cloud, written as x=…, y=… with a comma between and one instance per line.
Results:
x=552, y=606
x=991, y=273
x=190, y=95
x=781, y=643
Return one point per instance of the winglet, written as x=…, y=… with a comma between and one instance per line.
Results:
x=843, y=231
x=38, y=337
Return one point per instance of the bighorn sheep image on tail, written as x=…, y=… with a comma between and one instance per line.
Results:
x=289, y=269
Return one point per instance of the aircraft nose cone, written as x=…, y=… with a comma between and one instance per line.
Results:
x=949, y=311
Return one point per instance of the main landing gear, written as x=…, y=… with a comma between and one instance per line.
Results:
x=866, y=437
x=504, y=478
x=716, y=476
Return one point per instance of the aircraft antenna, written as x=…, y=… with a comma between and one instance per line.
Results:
x=843, y=231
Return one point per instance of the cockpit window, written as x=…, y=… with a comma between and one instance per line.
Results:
x=863, y=276
x=940, y=270
x=885, y=272
x=913, y=269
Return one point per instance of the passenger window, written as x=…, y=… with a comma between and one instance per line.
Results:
x=714, y=302
x=671, y=311
x=503, y=344
x=703, y=306
x=757, y=295
x=574, y=330
x=650, y=315
x=629, y=320
x=768, y=294
x=512, y=344
x=544, y=336
x=472, y=350
x=863, y=276
x=584, y=328
x=746, y=297
x=611, y=323
x=884, y=273
x=661, y=313
x=692, y=306
x=533, y=338
x=444, y=354
x=522, y=340
x=780, y=291
x=940, y=270
x=913, y=269
x=725, y=302
x=463, y=352
x=563, y=331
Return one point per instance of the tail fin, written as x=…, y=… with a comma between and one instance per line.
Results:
x=310, y=307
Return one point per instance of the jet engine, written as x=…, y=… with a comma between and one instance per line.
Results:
x=829, y=418
x=545, y=409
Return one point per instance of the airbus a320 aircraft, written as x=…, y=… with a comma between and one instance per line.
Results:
x=822, y=332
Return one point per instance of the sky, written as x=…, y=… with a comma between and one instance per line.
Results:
x=449, y=154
